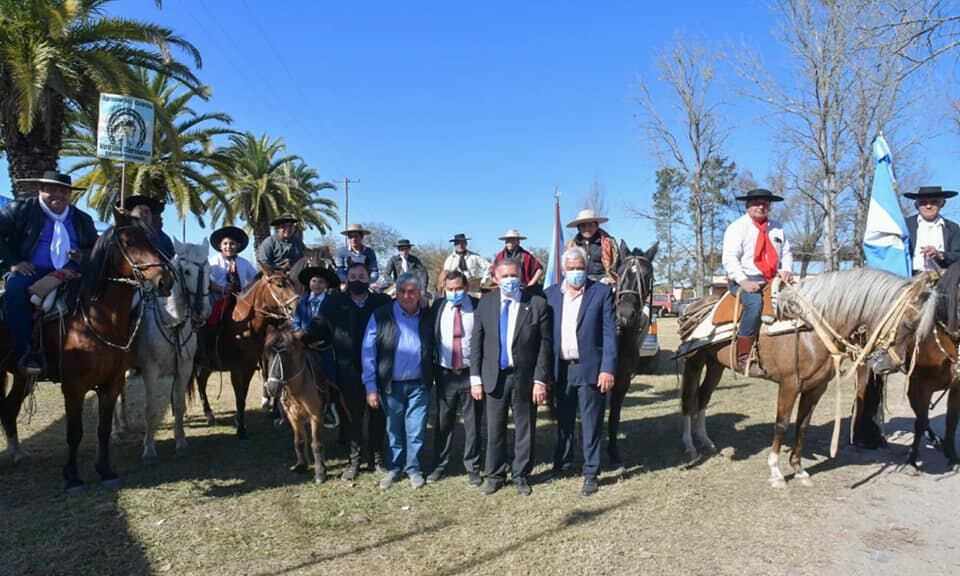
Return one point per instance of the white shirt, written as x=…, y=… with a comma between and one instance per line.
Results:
x=477, y=266
x=740, y=241
x=569, y=349
x=219, y=266
x=403, y=264
x=928, y=234
x=446, y=332
x=511, y=331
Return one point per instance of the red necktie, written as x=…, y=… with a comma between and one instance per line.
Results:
x=457, y=339
x=764, y=254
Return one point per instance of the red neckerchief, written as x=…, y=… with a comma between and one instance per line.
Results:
x=764, y=254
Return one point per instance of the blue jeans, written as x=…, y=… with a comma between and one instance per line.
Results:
x=752, y=303
x=406, y=408
x=19, y=311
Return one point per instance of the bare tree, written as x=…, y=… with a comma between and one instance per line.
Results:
x=595, y=197
x=687, y=70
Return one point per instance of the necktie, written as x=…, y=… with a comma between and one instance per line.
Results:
x=463, y=263
x=504, y=321
x=764, y=254
x=314, y=306
x=233, y=279
x=457, y=359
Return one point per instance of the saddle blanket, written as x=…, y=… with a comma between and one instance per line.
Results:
x=707, y=333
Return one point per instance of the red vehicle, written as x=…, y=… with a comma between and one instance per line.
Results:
x=663, y=304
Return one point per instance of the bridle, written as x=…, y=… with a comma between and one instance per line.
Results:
x=635, y=283
x=286, y=307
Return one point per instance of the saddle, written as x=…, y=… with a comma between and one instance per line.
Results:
x=51, y=295
x=723, y=313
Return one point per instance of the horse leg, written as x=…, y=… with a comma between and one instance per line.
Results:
x=949, y=438
x=710, y=383
x=180, y=382
x=153, y=409
x=202, y=375
x=121, y=423
x=73, y=405
x=295, y=414
x=786, y=398
x=240, y=379
x=10, y=405
x=690, y=401
x=620, y=386
x=319, y=462
x=808, y=401
x=919, y=394
x=107, y=399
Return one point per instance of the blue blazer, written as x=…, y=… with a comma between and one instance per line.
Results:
x=302, y=315
x=596, y=332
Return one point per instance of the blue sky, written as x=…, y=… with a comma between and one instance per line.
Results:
x=463, y=118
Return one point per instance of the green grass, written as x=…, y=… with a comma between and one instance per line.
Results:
x=235, y=508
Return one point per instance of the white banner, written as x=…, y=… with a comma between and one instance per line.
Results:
x=125, y=128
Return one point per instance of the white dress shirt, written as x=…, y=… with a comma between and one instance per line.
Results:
x=740, y=241
x=511, y=332
x=477, y=265
x=446, y=332
x=928, y=234
x=219, y=266
x=569, y=348
x=403, y=264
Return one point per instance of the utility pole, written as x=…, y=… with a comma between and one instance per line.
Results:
x=346, y=201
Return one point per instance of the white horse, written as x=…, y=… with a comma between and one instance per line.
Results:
x=166, y=345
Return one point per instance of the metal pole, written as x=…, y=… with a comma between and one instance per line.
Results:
x=123, y=167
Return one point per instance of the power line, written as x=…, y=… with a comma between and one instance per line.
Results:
x=346, y=199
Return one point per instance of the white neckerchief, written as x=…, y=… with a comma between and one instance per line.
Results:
x=60, y=242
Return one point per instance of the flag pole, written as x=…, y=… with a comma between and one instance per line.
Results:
x=123, y=167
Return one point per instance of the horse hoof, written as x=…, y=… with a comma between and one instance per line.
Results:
x=279, y=422
x=805, y=481
x=691, y=455
x=20, y=458
x=112, y=483
x=318, y=480
x=183, y=450
x=211, y=421
x=778, y=483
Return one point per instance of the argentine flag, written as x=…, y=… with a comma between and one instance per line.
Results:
x=886, y=240
x=554, y=267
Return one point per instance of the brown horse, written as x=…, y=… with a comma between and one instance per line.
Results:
x=848, y=301
x=92, y=352
x=303, y=387
x=237, y=346
x=633, y=292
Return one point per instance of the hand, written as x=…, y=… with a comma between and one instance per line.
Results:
x=930, y=252
x=786, y=275
x=476, y=391
x=605, y=382
x=24, y=268
x=539, y=393
x=750, y=286
x=608, y=280
x=76, y=256
x=373, y=400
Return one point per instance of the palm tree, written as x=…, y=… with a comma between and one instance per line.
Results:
x=57, y=55
x=264, y=182
x=184, y=165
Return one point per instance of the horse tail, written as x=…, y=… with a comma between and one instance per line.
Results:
x=948, y=288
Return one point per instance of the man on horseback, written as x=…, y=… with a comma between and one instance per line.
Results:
x=356, y=252
x=230, y=274
x=404, y=261
x=284, y=248
x=755, y=249
x=149, y=211
x=474, y=266
x=531, y=271
x=601, y=248
x=38, y=236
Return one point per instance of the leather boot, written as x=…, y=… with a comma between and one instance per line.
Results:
x=350, y=473
x=744, y=366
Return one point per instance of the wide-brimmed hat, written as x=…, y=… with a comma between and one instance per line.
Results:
x=512, y=233
x=355, y=228
x=586, y=215
x=459, y=238
x=131, y=202
x=53, y=177
x=238, y=236
x=760, y=194
x=930, y=192
x=322, y=271
x=404, y=243
x=284, y=219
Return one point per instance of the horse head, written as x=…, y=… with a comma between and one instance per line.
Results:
x=285, y=358
x=909, y=321
x=190, y=294
x=634, y=286
x=131, y=256
x=272, y=299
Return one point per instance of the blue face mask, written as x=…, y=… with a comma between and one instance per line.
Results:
x=455, y=297
x=576, y=278
x=509, y=285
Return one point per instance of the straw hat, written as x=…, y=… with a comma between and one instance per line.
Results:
x=586, y=215
x=355, y=228
x=512, y=233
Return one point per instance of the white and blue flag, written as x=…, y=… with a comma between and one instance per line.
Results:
x=886, y=240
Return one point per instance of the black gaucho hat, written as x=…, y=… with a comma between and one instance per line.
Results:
x=760, y=194
x=322, y=271
x=284, y=219
x=459, y=238
x=132, y=202
x=53, y=177
x=238, y=236
x=930, y=192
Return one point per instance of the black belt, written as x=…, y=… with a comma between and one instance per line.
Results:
x=571, y=362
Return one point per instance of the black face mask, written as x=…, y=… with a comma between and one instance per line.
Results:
x=357, y=287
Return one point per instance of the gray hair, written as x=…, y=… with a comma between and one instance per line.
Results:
x=410, y=278
x=573, y=253
x=508, y=262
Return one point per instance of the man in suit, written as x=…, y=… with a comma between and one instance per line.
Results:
x=454, y=316
x=404, y=261
x=510, y=364
x=585, y=358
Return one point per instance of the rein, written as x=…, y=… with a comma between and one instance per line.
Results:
x=644, y=284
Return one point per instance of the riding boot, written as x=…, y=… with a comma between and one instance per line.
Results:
x=744, y=366
x=353, y=468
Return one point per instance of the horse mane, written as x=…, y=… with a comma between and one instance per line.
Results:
x=948, y=289
x=243, y=307
x=857, y=297
x=94, y=272
x=193, y=252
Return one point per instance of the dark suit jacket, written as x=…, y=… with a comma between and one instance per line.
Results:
x=21, y=223
x=437, y=310
x=951, y=240
x=341, y=323
x=395, y=268
x=596, y=332
x=532, y=342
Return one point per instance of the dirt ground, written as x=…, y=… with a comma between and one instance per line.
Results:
x=232, y=507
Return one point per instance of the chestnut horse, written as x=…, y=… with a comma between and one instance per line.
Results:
x=632, y=304
x=237, y=345
x=303, y=388
x=92, y=352
x=848, y=302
